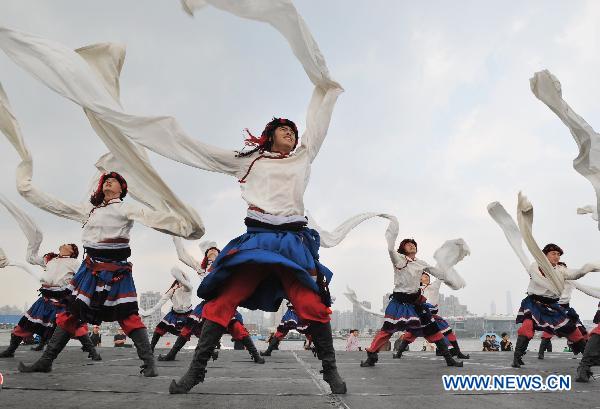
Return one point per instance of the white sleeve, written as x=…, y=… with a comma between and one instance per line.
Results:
x=4, y=262
x=588, y=290
x=185, y=257
x=181, y=278
x=525, y=221
x=164, y=221
x=130, y=160
x=318, y=118
x=336, y=236
x=510, y=230
x=547, y=88
x=29, y=228
x=575, y=274
x=11, y=129
x=391, y=234
x=446, y=257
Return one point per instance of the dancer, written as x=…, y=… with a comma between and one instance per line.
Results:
x=103, y=288
x=59, y=268
x=431, y=292
x=591, y=354
x=193, y=323
x=180, y=295
x=289, y=321
x=407, y=309
x=277, y=258
x=540, y=310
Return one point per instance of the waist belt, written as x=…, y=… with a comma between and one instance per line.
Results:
x=543, y=300
x=406, y=297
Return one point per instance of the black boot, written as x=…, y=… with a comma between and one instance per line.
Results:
x=57, y=343
x=140, y=340
x=443, y=348
x=591, y=357
x=155, y=337
x=323, y=340
x=544, y=347
x=272, y=345
x=401, y=348
x=247, y=341
x=457, y=352
x=210, y=336
x=371, y=360
x=578, y=347
x=87, y=346
x=9, y=352
x=179, y=343
x=520, y=350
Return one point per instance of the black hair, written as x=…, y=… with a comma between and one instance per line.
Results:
x=98, y=196
x=403, y=243
x=265, y=142
x=552, y=247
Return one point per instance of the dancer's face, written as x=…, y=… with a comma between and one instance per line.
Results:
x=284, y=139
x=212, y=255
x=553, y=257
x=111, y=189
x=425, y=279
x=410, y=249
x=66, y=250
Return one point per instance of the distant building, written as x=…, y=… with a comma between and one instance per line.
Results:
x=256, y=317
x=450, y=306
x=509, y=305
x=493, y=308
x=148, y=300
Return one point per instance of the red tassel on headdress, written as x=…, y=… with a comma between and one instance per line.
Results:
x=253, y=140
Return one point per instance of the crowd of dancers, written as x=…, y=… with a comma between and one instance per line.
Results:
x=276, y=259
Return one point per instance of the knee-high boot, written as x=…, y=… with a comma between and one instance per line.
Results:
x=140, y=340
x=247, y=341
x=323, y=340
x=57, y=343
x=210, y=336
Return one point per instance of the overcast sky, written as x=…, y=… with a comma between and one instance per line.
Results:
x=437, y=121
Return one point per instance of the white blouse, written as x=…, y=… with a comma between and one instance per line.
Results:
x=59, y=272
x=182, y=299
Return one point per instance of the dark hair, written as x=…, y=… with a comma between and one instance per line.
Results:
x=403, y=243
x=503, y=334
x=265, y=142
x=552, y=247
x=75, y=250
x=204, y=263
x=98, y=196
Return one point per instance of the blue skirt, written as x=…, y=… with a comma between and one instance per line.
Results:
x=415, y=318
x=262, y=248
x=547, y=316
x=441, y=322
x=40, y=318
x=291, y=321
x=103, y=290
x=173, y=322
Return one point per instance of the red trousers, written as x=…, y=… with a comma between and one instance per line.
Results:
x=243, y=283
x=237, y=330
x=382, y=337
x=527, y=330
x=70, y=323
